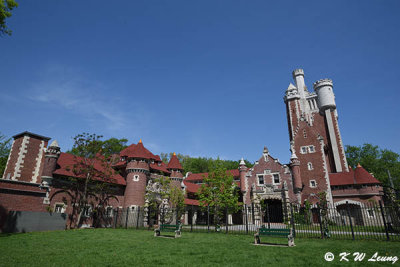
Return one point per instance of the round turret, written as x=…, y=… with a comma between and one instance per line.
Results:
x=326, y=97
x=297, y=72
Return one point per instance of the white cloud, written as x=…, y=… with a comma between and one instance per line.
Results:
x=91, y=100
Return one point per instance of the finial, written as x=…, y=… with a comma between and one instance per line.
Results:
x=358, y=165
x=174, y=154
x=140, y=141
x=293, y=155
x=265, y=150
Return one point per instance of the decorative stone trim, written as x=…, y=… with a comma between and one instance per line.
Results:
x=138, y=170
x=38, y=163
x=21, y=156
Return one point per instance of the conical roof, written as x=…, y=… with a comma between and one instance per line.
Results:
x=174, y=163
x=137, y=151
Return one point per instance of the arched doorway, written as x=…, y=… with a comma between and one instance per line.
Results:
x=273, y=211
x=350, y=211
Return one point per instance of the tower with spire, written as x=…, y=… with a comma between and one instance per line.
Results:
x=175, y=167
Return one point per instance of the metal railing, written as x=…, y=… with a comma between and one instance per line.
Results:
x=345, y=221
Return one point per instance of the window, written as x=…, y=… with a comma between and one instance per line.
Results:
x=304, y=133
x=87, y=211
x=109, y=211
x=303, y=150
x=276, y=178
x=136, y=178
x=260, y=179
x=371, y=213
x=311, y=149
x=59, y=208
x=313, y=183
x=309, y=166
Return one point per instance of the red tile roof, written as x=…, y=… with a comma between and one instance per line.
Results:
x=138, y=151
x=174, y=163
x=189, y=201
x=162, y=167
x=191, y=187
x=67, y=161
x=357, y=176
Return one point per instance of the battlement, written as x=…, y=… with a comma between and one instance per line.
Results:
x=323, y=82
x=297, y=72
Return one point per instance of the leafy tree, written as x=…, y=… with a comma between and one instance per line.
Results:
x=5, y=146
x=165, y=199
x=203, y=164
x=108, y=147
x=219, y=193
x=6, y=6
x=377, y=161
x=91, y=183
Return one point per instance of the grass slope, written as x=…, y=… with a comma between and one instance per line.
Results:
x=120, y=247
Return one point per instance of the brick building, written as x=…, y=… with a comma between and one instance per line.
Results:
x=36, y=172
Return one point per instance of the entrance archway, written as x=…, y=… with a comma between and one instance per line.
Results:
x=273, y=211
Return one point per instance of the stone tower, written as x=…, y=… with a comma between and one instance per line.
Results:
x=25, y=162
x=138, y=159
x=175, y=167
x=50, y=162
x=316, y=145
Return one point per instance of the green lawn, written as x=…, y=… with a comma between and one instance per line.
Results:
x=120, y=247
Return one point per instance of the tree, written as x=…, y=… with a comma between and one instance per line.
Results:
x=108, y=147
x=376, y=161
x=165, y=199
x=91, y=182
x=5, y=146
x=6, y=6
x=218, y=193
x=203, y=164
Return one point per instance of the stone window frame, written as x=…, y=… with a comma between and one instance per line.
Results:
x=311, y=184
x=371, y=213
x=109, y=211
x=60, y=204
x=258, y=179
x=136, y=178
x=273, y=178
x=87, y=211
x=304, y=149
x=311, y=149
x=310, y=166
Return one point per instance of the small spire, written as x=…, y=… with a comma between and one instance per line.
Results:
x=140, y=141
x=54, y=144
x=265, y=150
x=174, y=154
x=242, y=162
x=358, y=165
x=293, y=155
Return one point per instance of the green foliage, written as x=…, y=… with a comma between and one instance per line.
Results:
x=164, y=198
x=107, y=147
x=5, y=146
x=203, y=164
x=219, y=193
x=92, y=181
x=377, y=161
x=6, y=6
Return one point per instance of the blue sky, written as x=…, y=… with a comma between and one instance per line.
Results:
x=202, y=78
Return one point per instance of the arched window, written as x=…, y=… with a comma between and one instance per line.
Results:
x=309, y=166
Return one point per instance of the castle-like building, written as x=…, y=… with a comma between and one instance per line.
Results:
x=36, y=172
